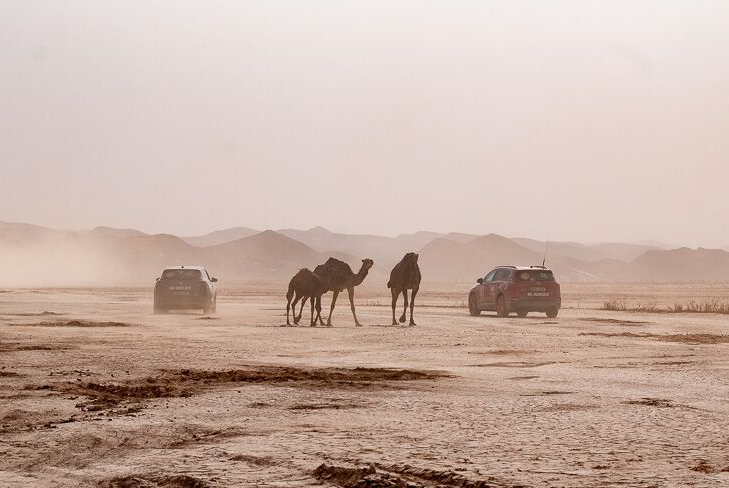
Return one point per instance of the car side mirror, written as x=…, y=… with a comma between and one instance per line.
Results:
x=157, y=279
x=479, y=281
x=214, y=280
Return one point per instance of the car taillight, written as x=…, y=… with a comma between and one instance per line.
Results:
x=203, y=285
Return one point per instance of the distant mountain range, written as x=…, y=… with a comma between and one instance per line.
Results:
x=37, y=256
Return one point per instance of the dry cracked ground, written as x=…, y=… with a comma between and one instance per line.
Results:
x=96, y=391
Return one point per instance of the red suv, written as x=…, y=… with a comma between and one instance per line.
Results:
x=517, y=289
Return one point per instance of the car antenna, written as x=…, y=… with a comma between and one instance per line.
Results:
x=546, y=248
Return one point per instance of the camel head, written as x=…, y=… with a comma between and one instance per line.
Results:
x=367, y=263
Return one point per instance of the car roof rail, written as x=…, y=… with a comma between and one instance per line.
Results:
x=537, y=266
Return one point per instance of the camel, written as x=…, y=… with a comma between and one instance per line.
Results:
x=304, y=285
x=403, y=277
x=337, y=276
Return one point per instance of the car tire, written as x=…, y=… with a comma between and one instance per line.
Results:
x=473, y=306
x=553, y=313
x=214, y=307
x=521, y=313
x=208, y=306
x=501, y=309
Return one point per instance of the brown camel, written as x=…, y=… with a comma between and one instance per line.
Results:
x=305, y=285
x=337, y=276
x=403, y=277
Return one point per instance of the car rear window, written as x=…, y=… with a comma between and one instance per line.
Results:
x=535, y=275
x=181, y=274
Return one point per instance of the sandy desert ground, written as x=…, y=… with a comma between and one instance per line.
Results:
x=95, y=390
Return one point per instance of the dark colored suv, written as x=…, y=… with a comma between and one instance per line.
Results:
x=517, y=289
x=185, y=287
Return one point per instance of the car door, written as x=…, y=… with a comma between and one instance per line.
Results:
x=497, y=284
x=484, y=289
x=502, y=281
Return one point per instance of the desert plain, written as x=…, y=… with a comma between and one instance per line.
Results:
x=96, y=391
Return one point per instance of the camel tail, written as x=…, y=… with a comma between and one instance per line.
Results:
x=290, y=293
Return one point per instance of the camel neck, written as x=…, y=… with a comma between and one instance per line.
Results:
x=360, y=276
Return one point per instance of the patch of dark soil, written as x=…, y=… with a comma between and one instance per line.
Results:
x=503, y=352
x=324, y=406
x=254, y=460
x=703, y=466
x=35, y=314
x=208, y=318
x=110, y=393
x=652, y=402
x=109, y=407
x=186, y=382
x=617, y=334
x=514, y=364
x=73, y=372
x=523, y=377
x=397, y=476
x=194, y=435
x=146, y=481
x=339, y=377
x=20, y=420
x=8, y=374
x=18, y=346
x=74, y=323
x=695, y=339
x=448, y=478
x=630, y=323
x=550, y=392
x=356, y=477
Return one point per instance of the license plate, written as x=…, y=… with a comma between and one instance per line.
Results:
x=537, y=294
x=180, y=288
x=183, y=293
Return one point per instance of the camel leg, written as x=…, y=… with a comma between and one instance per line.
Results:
x=412, y=304
x=293, y=308
x=405, y=300
x=301, y=310
x=318, y=311
x=350, y=292
x=395, y=293
x=331, y=308
x=289, y=297
x=313, y=301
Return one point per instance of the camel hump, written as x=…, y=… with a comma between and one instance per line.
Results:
x=334, y=262
x=334, y=265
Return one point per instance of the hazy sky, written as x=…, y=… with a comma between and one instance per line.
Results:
x=582, y=120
